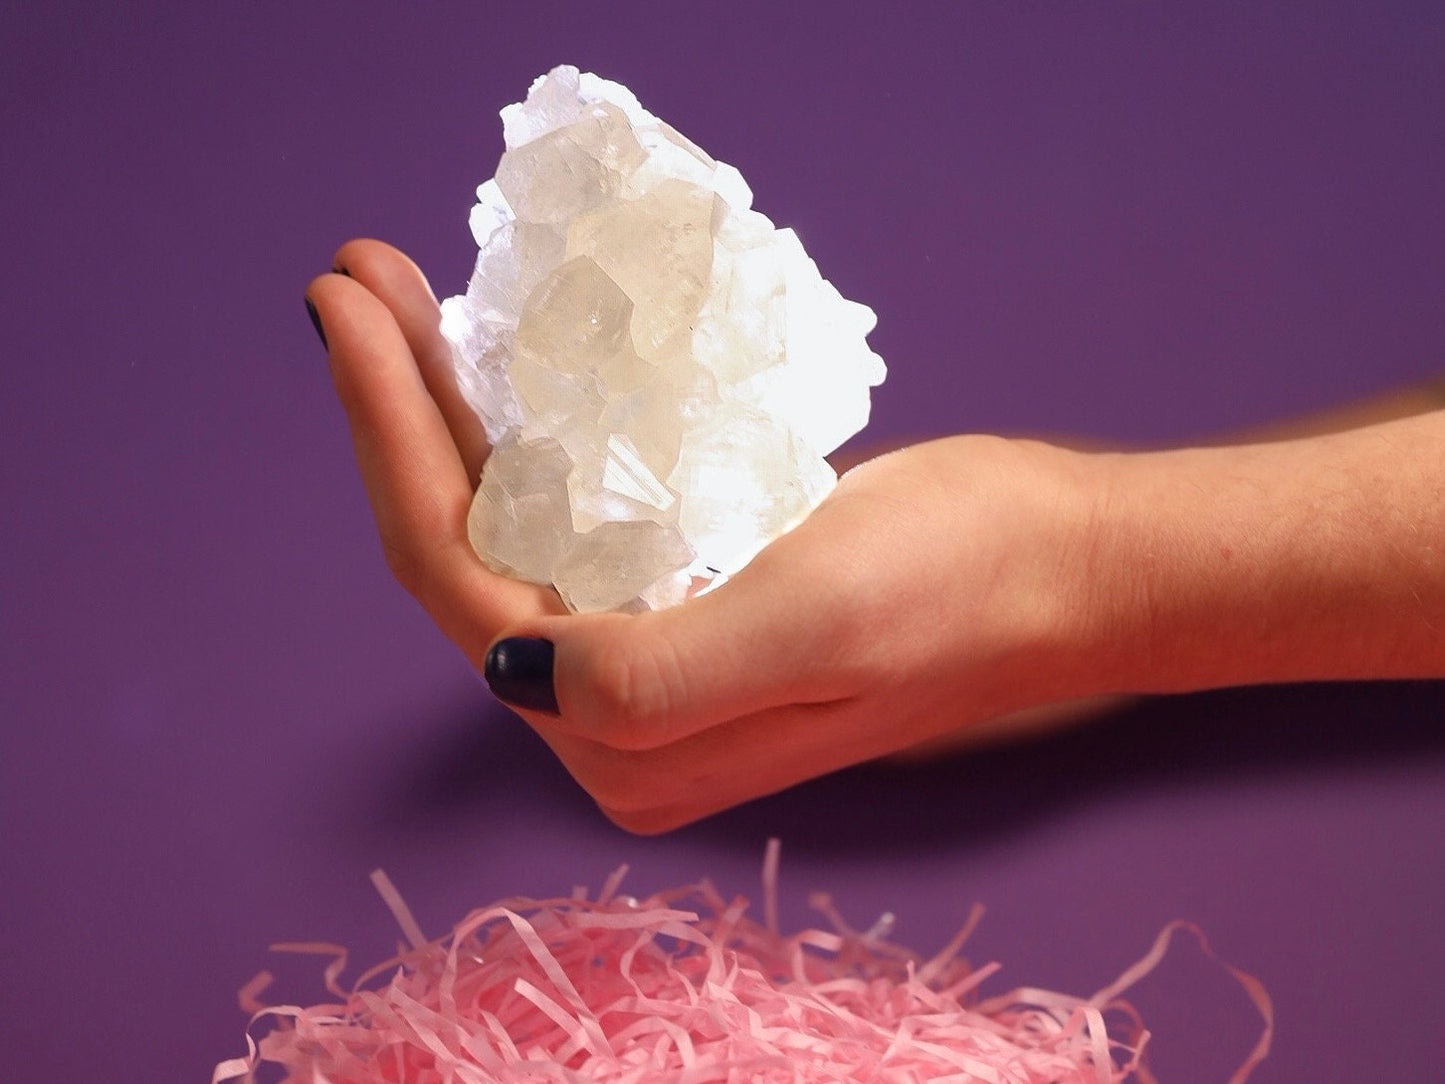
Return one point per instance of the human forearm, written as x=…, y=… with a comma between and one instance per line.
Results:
x=1299, y=560
x=1402, y=402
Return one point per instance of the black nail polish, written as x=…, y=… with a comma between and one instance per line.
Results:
x=337, y=269
x=519, y=671
x=316, y=322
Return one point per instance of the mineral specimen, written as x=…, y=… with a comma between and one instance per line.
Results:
x=660, y=371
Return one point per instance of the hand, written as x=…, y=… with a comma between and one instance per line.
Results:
x=939, y=585
x=934, y=588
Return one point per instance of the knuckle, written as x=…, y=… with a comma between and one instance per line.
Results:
x=634, y=785
x=854, y=661
x=411, y=530
x=844, y=659
x=409, y=567
x=404, y=562
x=635, y=686
x=646, y=822
x=624, y=785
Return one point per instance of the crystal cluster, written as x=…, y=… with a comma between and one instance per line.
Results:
x=659, y=370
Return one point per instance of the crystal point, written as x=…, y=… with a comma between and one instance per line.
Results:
x=660, y=370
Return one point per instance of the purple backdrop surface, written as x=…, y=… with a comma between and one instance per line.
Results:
x=219, y=714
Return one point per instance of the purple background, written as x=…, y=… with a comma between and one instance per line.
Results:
x=1136, y=222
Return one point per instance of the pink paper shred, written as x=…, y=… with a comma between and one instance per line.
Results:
x=683, y=988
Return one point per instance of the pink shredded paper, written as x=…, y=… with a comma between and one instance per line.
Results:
x=683, y=988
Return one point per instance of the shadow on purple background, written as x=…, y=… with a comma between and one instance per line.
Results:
x=967, y=800
x=218, y=714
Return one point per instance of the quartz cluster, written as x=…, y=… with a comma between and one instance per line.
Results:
x=660, y=371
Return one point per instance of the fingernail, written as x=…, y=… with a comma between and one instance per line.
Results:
x=316, y=322
x=519, y=671
x=337, y=269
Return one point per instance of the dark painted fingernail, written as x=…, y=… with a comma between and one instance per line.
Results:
x=519, y=671
x=316, y=322
x=337, y=269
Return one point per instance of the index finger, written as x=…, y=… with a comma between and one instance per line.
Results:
x=399, y=284
x=414, y=474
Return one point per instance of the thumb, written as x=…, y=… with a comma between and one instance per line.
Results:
x=641, y=681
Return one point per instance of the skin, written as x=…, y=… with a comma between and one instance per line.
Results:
x=1072, y=578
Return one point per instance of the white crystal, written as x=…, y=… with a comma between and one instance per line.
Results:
x=660, y=371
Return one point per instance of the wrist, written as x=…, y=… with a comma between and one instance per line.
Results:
x=1065, y=603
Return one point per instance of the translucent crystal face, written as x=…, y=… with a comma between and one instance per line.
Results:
x=660, y=371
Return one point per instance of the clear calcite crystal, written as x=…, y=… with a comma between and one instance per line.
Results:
x=659, y=370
